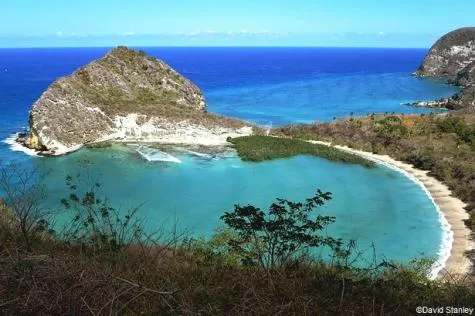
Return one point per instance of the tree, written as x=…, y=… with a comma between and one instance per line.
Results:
x=94, y=222
x=272, y=239
x=24, y=194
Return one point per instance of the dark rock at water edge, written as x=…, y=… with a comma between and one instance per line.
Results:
x=452, y=58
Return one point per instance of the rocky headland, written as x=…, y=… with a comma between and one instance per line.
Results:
x=125, y=96
x=452, y=58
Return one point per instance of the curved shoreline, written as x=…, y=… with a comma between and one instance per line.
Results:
x=455, y=239
x=456, y=236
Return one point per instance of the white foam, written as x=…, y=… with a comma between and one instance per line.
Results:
x=152, y=154
x=447, y=233
x=16, y=146
x=224, y=156
x=197, y=154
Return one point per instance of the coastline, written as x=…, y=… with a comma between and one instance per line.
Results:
x=456, y=236
x=14, y=145
x=182, y=134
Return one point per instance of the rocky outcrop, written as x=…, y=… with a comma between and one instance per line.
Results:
x=466, y=76
x=124, y=95
x=465, y=99
x=441, y=103
x=452, y=57
x=449, y=55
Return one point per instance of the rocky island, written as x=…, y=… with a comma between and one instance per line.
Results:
x=452, y=58
x=125, y=96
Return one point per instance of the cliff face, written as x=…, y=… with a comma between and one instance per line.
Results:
x=449, y=55
x=452, y=57
x=466, y=76
x=124, y=95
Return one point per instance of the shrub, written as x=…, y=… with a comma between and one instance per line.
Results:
x=272, y=239
x=95, y=222
x=259, y=148
x=24, y=199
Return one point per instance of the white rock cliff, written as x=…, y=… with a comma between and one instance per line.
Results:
x=125, y=96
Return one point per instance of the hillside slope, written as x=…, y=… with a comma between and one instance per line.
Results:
x=126, y=95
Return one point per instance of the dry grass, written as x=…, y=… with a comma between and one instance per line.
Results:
x=442, y=144
x=55, y=278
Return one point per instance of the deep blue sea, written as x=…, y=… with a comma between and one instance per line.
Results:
x=270, y=86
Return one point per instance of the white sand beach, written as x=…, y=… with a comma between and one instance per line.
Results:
x=452, y=260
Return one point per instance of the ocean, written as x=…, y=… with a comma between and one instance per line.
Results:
x=269, y=86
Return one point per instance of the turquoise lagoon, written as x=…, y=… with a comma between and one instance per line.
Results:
x=377, y=206
x=269, y=86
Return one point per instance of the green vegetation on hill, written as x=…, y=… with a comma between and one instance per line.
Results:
x=259, y=148
x=126, y=81
x=148, y=86
x=442, y=144
x=160, y=103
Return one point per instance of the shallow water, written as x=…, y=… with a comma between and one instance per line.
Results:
x=271, y=86
x=379, y=205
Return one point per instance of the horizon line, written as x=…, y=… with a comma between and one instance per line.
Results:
x=211, y=46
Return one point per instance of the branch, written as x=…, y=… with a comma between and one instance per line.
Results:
x=145, y=288
x=88, y=307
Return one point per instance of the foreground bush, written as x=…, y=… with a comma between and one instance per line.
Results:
x=103, y=263
x=134, y=275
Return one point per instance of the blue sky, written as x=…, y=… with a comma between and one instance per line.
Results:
x=366, y=23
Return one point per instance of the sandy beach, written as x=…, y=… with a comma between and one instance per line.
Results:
x=456, y=236
x=458, y=239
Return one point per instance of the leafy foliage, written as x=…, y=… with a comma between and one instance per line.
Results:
x=24, y=196
x=272, y=239
x=95, y=222
x=215, y=248
x=390, y=127
x=457, y=125
x=259, y=148
x=70, y=277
